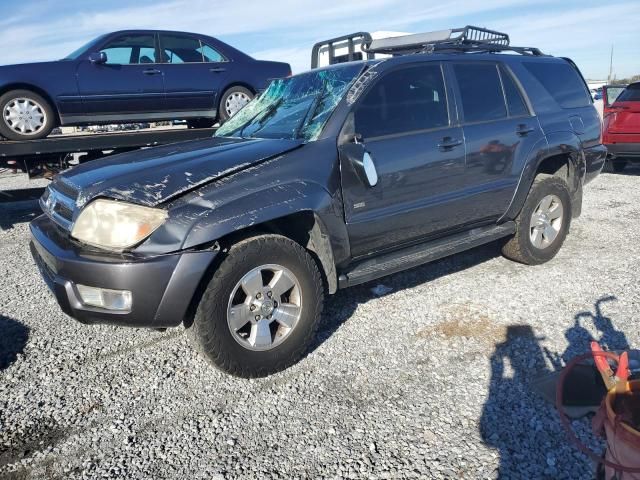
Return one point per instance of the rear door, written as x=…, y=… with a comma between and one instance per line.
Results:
x=409, y=129
x=128, y=84
x=194, y=73
x=499, y=132
x=623, y=116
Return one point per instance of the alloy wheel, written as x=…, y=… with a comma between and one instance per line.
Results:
x=264, y=307
x=546, y=221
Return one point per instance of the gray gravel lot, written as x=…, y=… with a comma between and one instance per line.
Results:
x=430, y=379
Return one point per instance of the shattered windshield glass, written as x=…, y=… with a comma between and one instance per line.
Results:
x=294, y=107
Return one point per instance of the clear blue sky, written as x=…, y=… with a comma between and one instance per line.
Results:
x=286, y=29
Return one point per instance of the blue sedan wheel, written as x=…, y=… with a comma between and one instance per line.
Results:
x=25, y=116
x=233, y=100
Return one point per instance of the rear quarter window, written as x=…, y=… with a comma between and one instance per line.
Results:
x=562, y=81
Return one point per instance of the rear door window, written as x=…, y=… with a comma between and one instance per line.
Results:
x=405, y=100
x=480, y=92
x=515, y=102
x=562, y=81
x=181, y=49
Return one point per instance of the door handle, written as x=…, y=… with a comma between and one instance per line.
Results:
x=151, y=71
x=217, y=69
x=523, y=130
x=447, y=143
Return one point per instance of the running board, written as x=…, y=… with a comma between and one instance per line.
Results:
x=409, y=257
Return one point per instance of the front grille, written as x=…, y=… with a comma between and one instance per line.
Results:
x=66, y=189
x=59, y=207
x=64, y=211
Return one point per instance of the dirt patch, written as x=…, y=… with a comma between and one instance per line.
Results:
x=467, y=321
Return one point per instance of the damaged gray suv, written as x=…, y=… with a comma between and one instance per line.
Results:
x=329, y=179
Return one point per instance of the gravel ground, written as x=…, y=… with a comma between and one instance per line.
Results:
x=425, y=374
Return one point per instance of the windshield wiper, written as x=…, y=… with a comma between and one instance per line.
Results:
x=266, y=113
x=312, y=110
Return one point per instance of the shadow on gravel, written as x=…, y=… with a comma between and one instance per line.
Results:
x=13, y=213
x=13, y=338
x=340, y=307
x=519, y=423
x=631, y=170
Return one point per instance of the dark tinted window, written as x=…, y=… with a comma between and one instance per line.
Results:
x=515, y=102
x=404, y=101
x=131, y=49
x=181, y=49
x=630, y=94
x=562, y=81
x=481, y=92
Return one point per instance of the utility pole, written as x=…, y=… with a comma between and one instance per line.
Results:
x=610, y=65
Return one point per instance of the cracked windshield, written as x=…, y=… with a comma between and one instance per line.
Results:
x=294, y=107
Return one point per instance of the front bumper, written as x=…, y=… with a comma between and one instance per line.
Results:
x=162, y=286
x=628, y=151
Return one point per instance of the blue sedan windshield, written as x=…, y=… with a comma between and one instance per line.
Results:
x=79, y=51
x=294, y=107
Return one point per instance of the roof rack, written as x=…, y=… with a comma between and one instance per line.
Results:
x=465, y=39
x=355, y=43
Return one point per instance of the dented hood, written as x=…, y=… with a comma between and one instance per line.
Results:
x=155, y=175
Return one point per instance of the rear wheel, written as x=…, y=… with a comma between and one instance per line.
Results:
x=543, y=222
x=232, y=101
x=25, y=116
x=261, y=309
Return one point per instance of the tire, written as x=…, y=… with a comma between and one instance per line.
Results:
x=40, y=117
x=233, y=351
x=521, y=247
x=201, y=122
x=241, y=93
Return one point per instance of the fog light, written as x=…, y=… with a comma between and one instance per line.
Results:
x=105, y=298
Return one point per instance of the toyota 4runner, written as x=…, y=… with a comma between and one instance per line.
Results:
x=330, y=178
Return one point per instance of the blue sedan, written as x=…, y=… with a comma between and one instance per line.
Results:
x=132, y=76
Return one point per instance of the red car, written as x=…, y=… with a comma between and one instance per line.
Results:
x=621, y=126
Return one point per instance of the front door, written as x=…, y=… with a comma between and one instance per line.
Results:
x=128, y=85
x=404, y=123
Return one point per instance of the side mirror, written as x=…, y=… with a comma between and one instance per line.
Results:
x=361, y=162
x=369, y=169
x=98, y=58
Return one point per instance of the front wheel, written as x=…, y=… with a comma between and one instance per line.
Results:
x=261, y=309
x=543, y=223
x=232, y=101
x=25, y=116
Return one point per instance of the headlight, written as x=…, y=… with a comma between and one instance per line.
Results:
x=116, y=225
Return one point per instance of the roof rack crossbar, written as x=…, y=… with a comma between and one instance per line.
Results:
x=465, y=39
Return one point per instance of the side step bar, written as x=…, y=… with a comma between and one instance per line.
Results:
x=409, y=257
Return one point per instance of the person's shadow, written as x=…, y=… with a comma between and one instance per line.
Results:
x=13, y=338
x=520, y=424
x=579, y=337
